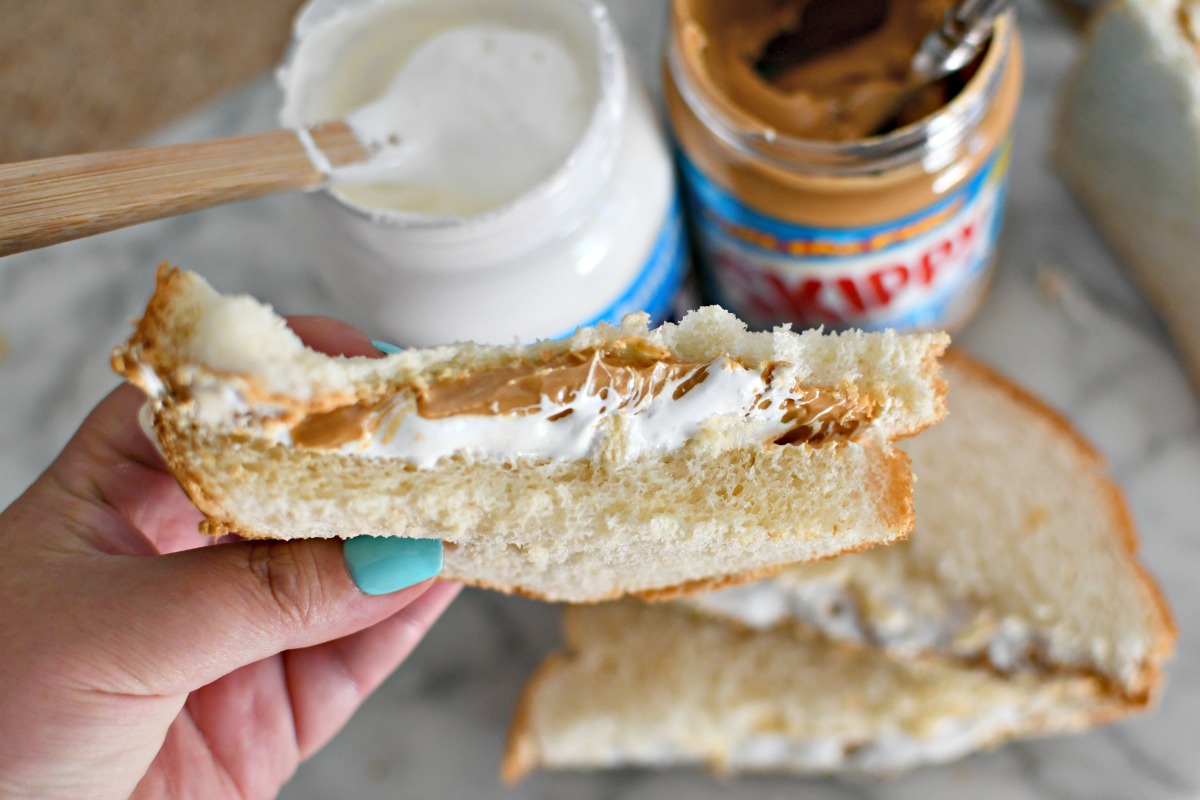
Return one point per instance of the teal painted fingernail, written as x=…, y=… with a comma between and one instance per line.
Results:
x=386, y=564
x=384, y=347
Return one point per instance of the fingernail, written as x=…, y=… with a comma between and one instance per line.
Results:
x=386, y=564
x=384, y=347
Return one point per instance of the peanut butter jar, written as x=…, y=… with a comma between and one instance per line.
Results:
x=796, y=215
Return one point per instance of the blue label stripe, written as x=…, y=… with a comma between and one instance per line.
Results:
x=655, y=287
x=734, y=237
x=712, y=203
x=933, y=313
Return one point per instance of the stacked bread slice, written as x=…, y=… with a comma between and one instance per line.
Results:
x=621, y=460
x=1018, y=607
x=1128, y=141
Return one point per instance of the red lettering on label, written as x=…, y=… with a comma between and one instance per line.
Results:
x=932, y=261
x=803, y=300
x=849, y=290
x=888, y=282
x=967, y=234
x=863, y=291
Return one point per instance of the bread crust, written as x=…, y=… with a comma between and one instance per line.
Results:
x=521, y=753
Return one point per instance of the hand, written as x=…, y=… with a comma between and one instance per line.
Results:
x=135, y=659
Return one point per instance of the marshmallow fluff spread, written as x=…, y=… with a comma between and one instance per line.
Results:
x=584, y=403
x=464, y=112
x=476, y=117
x=918, y=619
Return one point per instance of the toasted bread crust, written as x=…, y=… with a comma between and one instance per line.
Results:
x=521, y=753
x=141, y=346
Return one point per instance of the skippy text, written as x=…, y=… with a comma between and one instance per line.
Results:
x=863, y=289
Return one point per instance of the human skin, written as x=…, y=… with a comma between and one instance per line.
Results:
x=139, y=658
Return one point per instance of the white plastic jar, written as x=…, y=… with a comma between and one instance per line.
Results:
x=598, y=237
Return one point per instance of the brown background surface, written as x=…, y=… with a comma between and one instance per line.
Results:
x=81, y=75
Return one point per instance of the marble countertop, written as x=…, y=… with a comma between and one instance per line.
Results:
x=1062, y=316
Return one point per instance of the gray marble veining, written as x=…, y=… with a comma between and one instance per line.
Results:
x=1062, y=315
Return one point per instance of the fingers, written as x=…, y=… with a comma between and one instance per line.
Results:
x=110, y=435
x=111, y=470
x=188, y=618
x=327, y=683
x=210, y=610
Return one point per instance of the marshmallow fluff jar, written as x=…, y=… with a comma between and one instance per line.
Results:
x=526, y=190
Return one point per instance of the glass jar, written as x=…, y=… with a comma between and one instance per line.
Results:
x=893, y=231
x=599, y=238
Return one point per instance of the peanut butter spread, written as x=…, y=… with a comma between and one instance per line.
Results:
x=628, y=374
x=785, y=63
x=338, y=427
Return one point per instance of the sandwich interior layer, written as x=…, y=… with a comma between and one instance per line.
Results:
x=626, y=397
x=606, y=393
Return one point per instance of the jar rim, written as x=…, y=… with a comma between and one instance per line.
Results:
x=938, y=132
x=602, y=128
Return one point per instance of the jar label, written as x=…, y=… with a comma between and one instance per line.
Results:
x=925, y=270
x=658, y=282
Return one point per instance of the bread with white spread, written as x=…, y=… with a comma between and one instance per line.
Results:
x=618, y=461
x=662, y=686
x=1017, y=608
x=1022, y=558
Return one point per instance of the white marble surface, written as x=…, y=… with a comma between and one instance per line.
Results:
x=1062, y=315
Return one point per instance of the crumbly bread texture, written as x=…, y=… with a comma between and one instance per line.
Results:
x=1023, y=557
x=577, y=530
x=1128, y=141
x=654, y=685
x=1017, y=607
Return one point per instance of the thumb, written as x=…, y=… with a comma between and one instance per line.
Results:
x=191, y=617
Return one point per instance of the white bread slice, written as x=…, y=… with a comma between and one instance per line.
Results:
x=891, y=658
x=1128, y=141
x=1023, y=557
x=225, y=374
x=660, y=686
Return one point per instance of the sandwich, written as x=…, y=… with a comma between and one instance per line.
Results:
x=1017, y=608
x=618, y=461
x=1128, y=142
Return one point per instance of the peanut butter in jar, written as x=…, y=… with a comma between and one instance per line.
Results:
x=823, y=190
